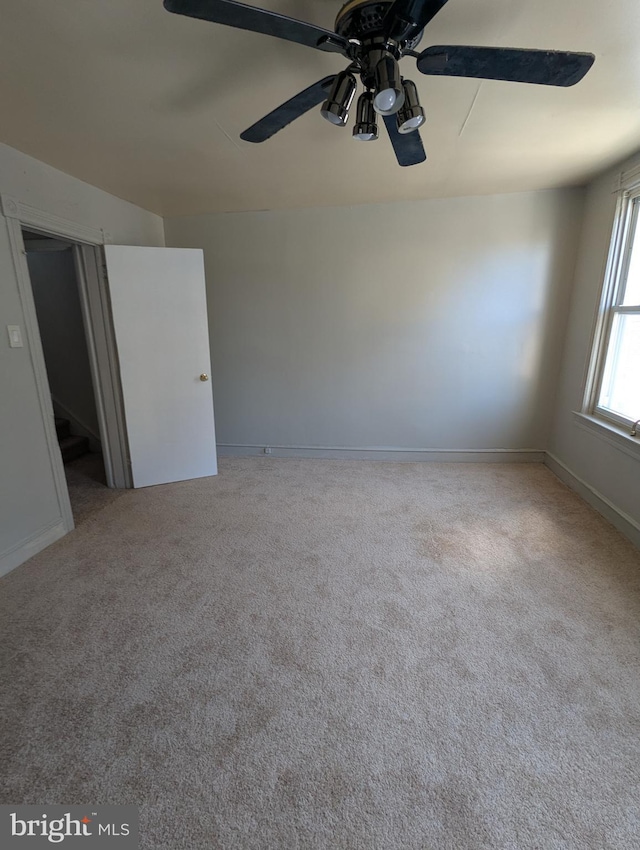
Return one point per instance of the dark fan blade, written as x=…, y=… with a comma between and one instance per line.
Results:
x=407, y=146
x=288, y=112
x=406, y=18
x=258, y=20
x=544, y=67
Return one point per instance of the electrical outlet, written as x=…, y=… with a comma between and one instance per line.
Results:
x=15, y=336
x=267, y=450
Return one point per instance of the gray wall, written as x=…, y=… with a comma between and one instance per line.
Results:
x=28, y=503
x=613, y=473
x=430, y=324
x=55, y=292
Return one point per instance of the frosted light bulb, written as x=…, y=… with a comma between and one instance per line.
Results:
x=384, y=101
x=333, y=119
x=412, y=124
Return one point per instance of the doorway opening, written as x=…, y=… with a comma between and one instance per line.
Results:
x=62, y=318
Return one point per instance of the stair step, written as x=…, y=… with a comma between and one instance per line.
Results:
x=73, y=447
x=63, y=427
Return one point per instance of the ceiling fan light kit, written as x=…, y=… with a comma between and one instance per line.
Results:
x=387, y=81
x=374, y=36
x=366, y=127
x=411, y=115
x=336, y=107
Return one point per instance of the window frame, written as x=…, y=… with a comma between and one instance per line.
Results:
x=627, y=216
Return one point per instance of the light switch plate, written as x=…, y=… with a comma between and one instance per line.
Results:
x=15, y=336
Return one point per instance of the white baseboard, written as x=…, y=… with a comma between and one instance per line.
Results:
x=622, y=521
x=399, y=455
x=29, y=547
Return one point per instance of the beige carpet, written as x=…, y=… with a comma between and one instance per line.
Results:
x=319, y=654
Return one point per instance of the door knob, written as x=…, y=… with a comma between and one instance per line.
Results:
x=204, y=377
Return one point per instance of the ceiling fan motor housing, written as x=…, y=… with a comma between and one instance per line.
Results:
x=362, y=23
x=363, y=20
x=360, y=18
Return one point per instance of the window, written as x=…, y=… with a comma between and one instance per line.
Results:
x=616, y=386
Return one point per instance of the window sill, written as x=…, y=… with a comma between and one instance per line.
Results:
x=610, y=433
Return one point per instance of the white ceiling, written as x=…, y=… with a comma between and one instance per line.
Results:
x=150, y=105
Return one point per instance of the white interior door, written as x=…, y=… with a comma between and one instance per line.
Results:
x=159, y=311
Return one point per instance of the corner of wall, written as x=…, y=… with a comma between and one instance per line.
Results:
x=600, y=472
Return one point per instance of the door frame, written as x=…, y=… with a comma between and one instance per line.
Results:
x=93, y=288
x=93, y=292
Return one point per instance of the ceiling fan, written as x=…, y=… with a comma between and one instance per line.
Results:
x=374, y=35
